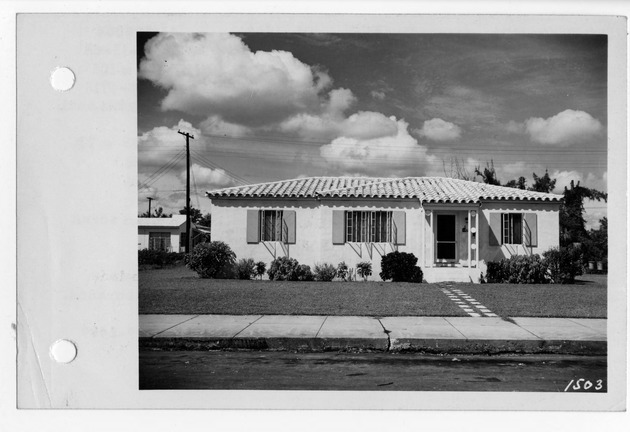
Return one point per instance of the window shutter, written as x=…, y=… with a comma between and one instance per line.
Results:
x=288, y=218
x=495, y=229
x=399, y=227
x=530, y=229
x=338, y=236
x=253, y=228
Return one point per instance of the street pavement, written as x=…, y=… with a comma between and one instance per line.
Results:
x=473, y=335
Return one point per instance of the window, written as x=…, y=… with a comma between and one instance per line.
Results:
x=513, y=228
x=160, y=241
x=271, y=226
x=512, y=224
x=369, y=226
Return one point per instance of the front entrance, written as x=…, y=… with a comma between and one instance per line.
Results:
x=446, y=243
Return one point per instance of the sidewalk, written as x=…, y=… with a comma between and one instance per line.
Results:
x=428, y=334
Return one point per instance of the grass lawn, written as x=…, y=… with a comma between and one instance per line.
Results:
x=585, y=299
x=179, y=291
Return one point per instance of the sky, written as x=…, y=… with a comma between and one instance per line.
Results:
x=272, y=106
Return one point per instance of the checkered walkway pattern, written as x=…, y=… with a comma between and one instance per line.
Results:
x=468, y=304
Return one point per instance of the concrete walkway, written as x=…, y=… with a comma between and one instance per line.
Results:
x=428, y=334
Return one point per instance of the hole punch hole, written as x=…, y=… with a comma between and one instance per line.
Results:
x=62, y=79
x=63, y=351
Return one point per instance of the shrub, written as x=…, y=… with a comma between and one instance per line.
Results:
x=364, y=269
x=518, y=269
x=400, y=267
x=283, y=268
x=342, y=271
x=158, y=258
x=564, y=264
x=325, y=272
x=245, y=269
x=302, y=273
x=260, y=269
x=212, y=260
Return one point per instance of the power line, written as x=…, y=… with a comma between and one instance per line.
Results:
x=161, y=171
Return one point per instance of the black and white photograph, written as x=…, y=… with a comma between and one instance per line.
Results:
x=255, y=220
x=373, y=211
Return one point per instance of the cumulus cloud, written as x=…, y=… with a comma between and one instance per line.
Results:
x=563, y=128
x=360, y=125
x=154, y=145
x=216, y=74
x=397, y=152
x=208, y=178
x=439, y=130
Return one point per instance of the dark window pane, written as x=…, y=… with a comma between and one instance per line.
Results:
x=517, y=228
x=446, y=227
x=446, y=250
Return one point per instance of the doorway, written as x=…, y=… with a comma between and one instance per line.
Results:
x=446, y=243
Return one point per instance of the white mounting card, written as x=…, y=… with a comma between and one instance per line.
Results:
x=78, y=179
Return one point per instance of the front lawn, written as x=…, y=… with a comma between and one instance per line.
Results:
x=180, y=291
x=585, y=299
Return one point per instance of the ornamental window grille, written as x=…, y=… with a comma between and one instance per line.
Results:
x=272, y=227
x=369, y=226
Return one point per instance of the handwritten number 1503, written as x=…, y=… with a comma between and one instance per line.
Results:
x=584, y=384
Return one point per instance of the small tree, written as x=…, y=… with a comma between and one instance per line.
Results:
x=342, y=271
x=364, y=269
x=260, y=269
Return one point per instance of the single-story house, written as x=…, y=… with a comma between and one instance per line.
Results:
x=167, y=234
x=454, y=227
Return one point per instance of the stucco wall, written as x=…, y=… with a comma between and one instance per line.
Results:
x=229, y=222
x=548, y=225
x=313, y=243
x=314, y=230
x=355, y=253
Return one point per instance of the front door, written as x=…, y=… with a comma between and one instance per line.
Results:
x=445, y=239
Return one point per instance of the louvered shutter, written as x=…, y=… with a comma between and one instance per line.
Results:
x=288, y=218
x=399, y=227
x=495, y=229
x=530, y=229
x=253, y=228
x=338, y=235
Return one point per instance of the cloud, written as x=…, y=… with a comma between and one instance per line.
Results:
x=216, y=74
x=439, y=130
x=398, y=152
x=158, y=145
x=208, y=178
x=361, y=125
x=378, y=95
x=564, y=128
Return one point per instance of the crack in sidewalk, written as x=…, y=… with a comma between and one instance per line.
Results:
x=387, y=332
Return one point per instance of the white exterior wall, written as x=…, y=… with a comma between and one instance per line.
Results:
x=356, y=253
x=548, y=225
x=229, y=224
x=314, y=236
x=143, y=236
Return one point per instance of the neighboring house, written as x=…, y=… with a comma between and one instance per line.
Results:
x=454, y=227
x=166, y=234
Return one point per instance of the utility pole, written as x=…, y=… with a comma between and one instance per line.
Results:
x=188, y=137
x=149, y=198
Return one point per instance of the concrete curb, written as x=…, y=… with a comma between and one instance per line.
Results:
x=432, y=346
